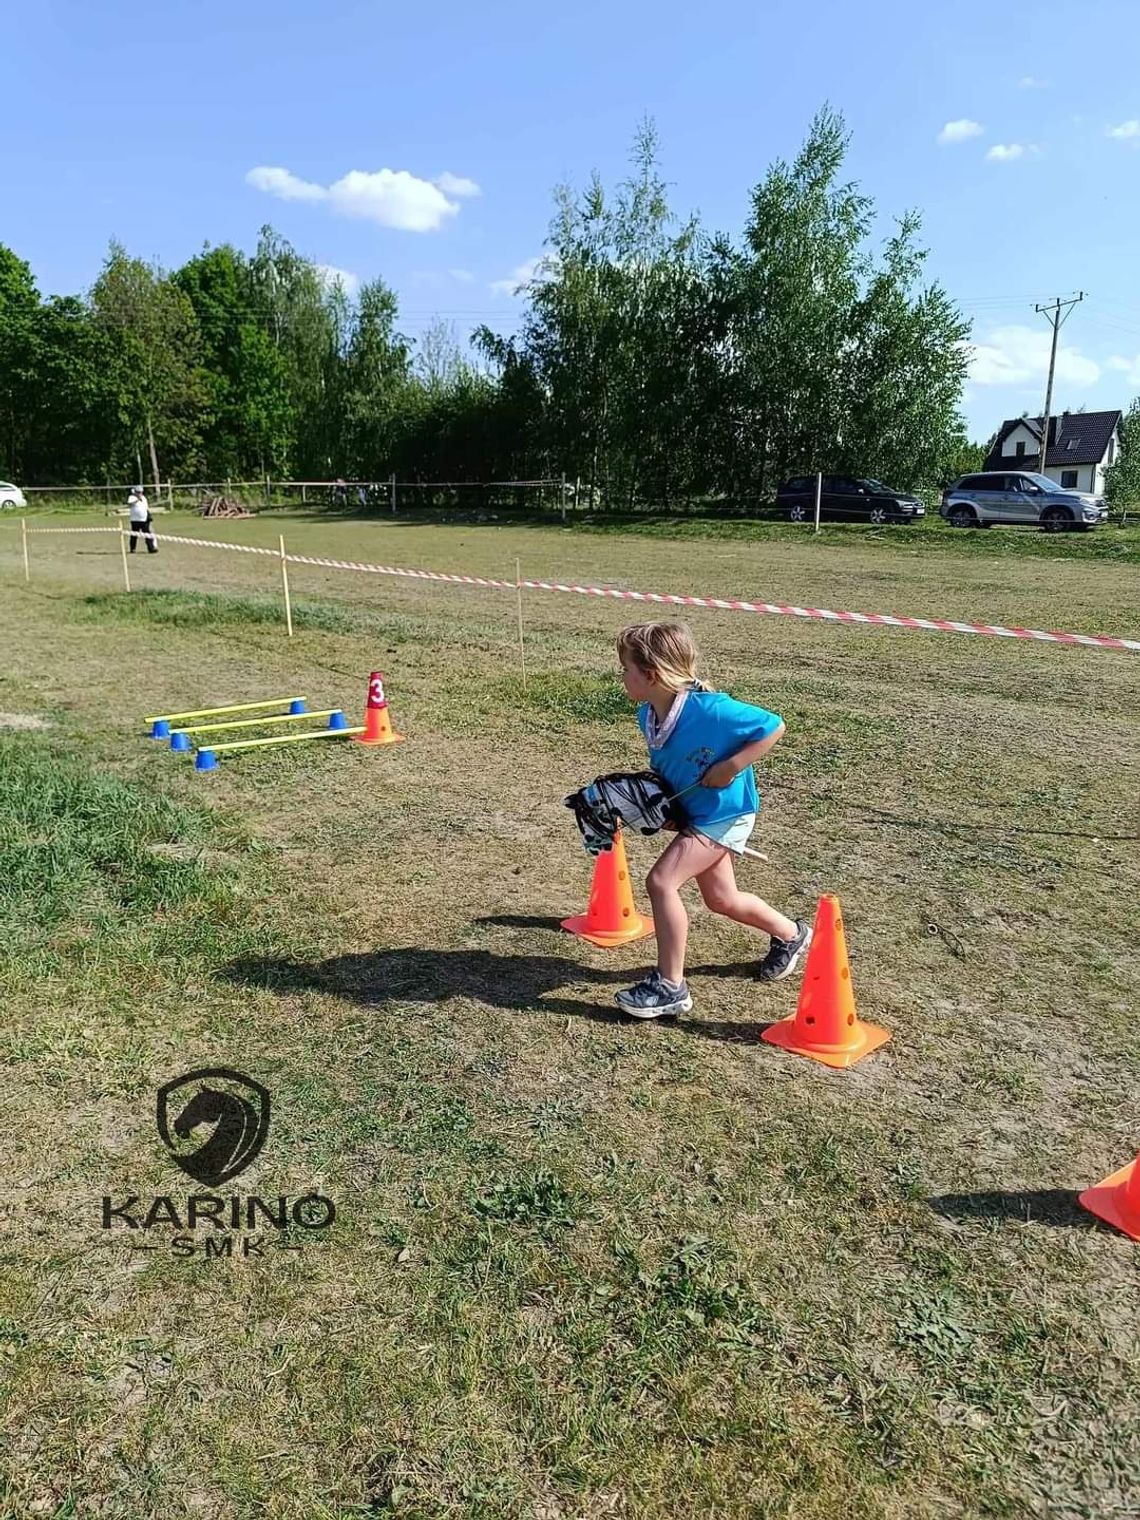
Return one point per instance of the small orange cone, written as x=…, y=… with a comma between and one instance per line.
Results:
x=1117, y=1199
x=611, y=918
x=377, y=715
x=825, y=1025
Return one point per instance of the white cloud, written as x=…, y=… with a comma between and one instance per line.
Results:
x=286, y=186
x=457, y=185
x=1004, y=153
x=1031, y=82
x=1016, y=355
x=391, y=197
x=331, y=275
x=522, y=274
x=1127, y=131
x=960, y=131
x=1129, y=368
x=464, y=276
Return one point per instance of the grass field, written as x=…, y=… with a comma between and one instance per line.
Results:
x=579, y=1268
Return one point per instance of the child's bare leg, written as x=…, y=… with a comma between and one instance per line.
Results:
x=685, y=858
x=722, y=895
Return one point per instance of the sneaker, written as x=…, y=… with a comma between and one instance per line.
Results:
x=784, y=954
x=654, y=998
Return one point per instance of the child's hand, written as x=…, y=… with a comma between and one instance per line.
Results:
x=723, y=773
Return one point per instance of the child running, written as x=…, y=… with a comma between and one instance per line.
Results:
x=702, y=744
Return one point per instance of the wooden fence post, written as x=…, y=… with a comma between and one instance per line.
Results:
x=522, y=649
x=285, y=586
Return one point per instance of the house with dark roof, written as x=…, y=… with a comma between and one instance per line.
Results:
x=1080, y=447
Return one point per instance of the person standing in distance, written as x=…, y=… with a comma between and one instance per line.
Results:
x=140, y=520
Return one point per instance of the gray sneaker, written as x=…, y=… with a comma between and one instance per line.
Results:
x=653, y=998
x=784, y=954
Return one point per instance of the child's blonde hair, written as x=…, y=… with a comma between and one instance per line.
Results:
x=666, y=648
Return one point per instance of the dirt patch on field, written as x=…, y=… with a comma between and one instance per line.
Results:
x=22, y=721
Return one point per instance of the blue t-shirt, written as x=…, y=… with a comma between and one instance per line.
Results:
x=712, y=726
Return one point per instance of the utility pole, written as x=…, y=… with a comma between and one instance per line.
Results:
x=1053, y=315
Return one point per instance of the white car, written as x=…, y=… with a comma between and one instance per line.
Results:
x=1013, y=497
x=10, y=496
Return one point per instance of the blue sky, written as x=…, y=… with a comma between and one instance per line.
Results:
x=421, y=143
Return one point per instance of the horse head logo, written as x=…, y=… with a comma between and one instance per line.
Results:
x=235, y=1105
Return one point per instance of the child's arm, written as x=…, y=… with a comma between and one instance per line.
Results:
x=724, y=772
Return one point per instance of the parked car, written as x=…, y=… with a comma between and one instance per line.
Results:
x=980, y=501
x=11, y=496
x=845, y=499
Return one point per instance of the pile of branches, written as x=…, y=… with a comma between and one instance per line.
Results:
x=223, y=506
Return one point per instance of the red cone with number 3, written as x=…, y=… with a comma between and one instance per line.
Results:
x=377, y=715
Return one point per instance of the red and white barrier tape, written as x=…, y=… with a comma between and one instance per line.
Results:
x=875, y=619
x=717, y=604
x=213, y=543
x=349, y=564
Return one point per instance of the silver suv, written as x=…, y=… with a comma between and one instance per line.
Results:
x=980, y=501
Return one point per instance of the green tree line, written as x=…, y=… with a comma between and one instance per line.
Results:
x=654, y=361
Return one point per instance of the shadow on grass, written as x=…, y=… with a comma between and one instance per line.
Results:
x=521, y=921
x=514, y=983
x=954, y=829
x=1048, y=1206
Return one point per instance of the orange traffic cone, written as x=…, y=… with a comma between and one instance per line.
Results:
x=1117, y=1199
x=611, y=918
x=377, y=715
x=825, y=1025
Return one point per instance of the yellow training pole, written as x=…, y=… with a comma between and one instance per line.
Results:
x=320, y=733
x=213, y=728
x=123, y=548
x=209, y=712
x=285, y=584
x=522, y=651
x=24, y=535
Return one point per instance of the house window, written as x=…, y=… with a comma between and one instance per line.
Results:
x=1021, y=448
x=1111, y=451
x=1068, y=480
x=1071, y=443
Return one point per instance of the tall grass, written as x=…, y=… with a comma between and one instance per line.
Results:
x=200, y=609
x=84, y=853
